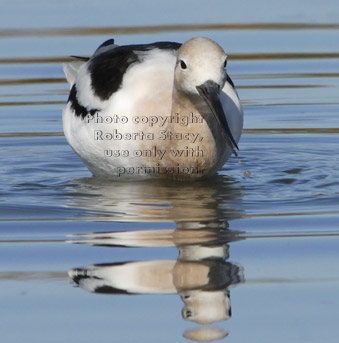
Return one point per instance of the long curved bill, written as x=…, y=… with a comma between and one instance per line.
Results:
x=209, y=91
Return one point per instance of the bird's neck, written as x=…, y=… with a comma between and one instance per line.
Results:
x=186, y=104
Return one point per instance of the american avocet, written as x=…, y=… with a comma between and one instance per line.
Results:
x=156, y=110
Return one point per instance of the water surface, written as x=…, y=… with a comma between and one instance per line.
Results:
x=251, y=254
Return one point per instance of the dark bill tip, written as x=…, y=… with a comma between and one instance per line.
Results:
x=209, y=92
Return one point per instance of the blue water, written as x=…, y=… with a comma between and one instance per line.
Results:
x=250, y=255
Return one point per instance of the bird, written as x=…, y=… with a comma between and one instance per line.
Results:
x=163, y=110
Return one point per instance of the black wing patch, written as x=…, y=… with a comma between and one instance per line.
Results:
x=106, y=43
x=107, y=69
x=80, y=111
x=81, y=58
x=103, y=45
x=111, y=290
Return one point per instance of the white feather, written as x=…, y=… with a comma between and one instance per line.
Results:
x=71, y=71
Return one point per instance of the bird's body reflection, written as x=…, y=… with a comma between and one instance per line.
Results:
x=190, y=204
x=201, y=275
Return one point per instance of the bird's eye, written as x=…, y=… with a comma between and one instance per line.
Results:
x=225, y=63
x=183, y=64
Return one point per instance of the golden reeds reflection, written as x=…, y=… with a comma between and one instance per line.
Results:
x=232, y=56
x=127, y=30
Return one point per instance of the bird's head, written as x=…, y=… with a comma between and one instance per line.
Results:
x=200, y=72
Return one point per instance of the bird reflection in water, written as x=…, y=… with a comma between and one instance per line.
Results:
x=201, y=275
